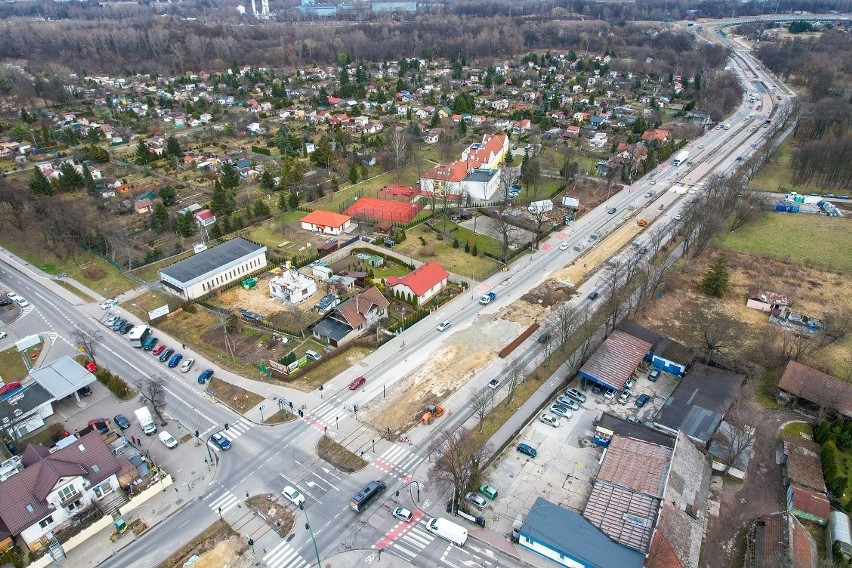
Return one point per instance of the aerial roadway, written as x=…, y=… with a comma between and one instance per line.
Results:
x=269, y=458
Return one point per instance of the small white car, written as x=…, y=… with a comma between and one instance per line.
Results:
x=678, y=217
x=3, y=334
x=624, y=397
x=609, y=394
x=628, y=384
x=187, y=365
x=20, y=300
x=292, y=494
x=443, y=325
x=168, y=440
x=493, y=384
x=107, y=304
x=564, y=246
x=403, y=514
x=549, y=419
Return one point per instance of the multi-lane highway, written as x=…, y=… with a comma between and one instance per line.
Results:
x=265, y=459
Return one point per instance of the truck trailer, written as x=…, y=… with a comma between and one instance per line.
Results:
x=138, y=334
x=145, y=421
x=447, y=530
x=680, y=158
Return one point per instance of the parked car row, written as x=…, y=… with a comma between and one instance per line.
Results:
x=118, y=324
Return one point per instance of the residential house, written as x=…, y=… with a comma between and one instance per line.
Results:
x=352, y=318
x=143, y=206
x=423, y=283
x=204, y=218
x=656, y=135
x=55, y=486
x=474, y=175
x=803, y=476
x=779, y=539
x=326, y=222
x=292, y=287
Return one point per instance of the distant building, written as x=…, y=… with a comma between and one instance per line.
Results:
x=352, y=318
x=213, y=268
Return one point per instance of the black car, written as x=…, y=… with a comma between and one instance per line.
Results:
x=118, y=323
x=84, y=391
x=544, y=338
x=125, y=328
x=164, y=356
x=5, y=302
x=120, y=421
x=593, y=296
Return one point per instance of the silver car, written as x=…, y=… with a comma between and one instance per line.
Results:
x=549, y=419
x=560, y=410
x=476, y=500
x=569, y=402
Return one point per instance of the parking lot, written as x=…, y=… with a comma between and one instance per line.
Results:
x=567, y=461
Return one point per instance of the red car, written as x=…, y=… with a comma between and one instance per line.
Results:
x=158, y=349
x=357, y=383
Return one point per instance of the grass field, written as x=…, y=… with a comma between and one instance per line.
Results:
x=12, y=367
x=798, y=239
x=442, y=252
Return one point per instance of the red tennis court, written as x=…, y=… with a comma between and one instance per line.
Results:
x=384, y=209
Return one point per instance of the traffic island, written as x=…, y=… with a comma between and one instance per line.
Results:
x=218, y=544
x=269, y=508
x=339, y=456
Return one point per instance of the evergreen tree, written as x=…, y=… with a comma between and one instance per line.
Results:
x=353, y=173
x=267, y=182
x=261, y=209
x=220, y=204
x=159, y=217
x=69, y=179
x=715, y=281
x=88, y=180
x=173, y=147
x=215, y=231
x=185, y=224
x=282, y=201
x=144, y=156
x=322, y=153
x=39, y=184
x=293, y=200
x=229, y=176
x=168, y=195
x=335, y=185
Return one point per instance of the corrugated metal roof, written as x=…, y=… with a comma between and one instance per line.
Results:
x=616, y=359
x=624, y=516
x=637, y=465
x=211, y=259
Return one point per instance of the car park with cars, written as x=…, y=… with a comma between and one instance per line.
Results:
x=560, y=410
x=569, y=402
x=576, y=395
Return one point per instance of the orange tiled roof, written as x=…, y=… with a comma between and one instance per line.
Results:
x=325, y=218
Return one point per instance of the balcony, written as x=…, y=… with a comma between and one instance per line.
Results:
x=69, y=499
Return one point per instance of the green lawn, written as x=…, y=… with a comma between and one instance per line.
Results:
x=367, y=188
x=442, y=251
x=798, y=428
x=12, y=366
x=808, y=240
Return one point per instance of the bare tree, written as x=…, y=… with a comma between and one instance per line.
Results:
x=459, y=459
x=398, y=142
x=737, y=441
x=798, y=345
x=152, y=390
x=837, y=324
x=481, y=401
x=514, y=377
x=750, y=208
x=87, y=340
x=656, y=236
x=717, y=333
x=567, y=322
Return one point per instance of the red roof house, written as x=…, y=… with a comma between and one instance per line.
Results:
x=326, y=222
x=205, y=218
x=424, y=282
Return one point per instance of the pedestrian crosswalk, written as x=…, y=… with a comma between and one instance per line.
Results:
x=234, y=431
x=26, y=311
x=224, y=502
x=409, y=544
x=326, y=415
x=397, y=460
x=284, y=556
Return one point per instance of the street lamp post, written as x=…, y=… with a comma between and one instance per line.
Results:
x=261, y=412
x=308, y=527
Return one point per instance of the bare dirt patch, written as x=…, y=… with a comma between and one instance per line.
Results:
x=206, y=545
x=443, y=374
x=276, y=514
x=339, y=456
x=239, y=399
